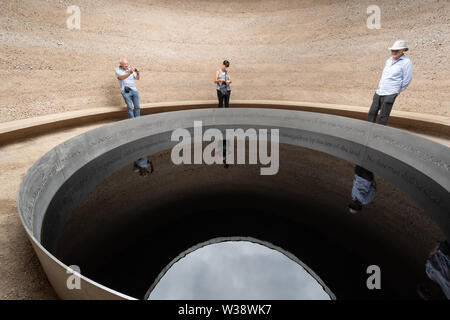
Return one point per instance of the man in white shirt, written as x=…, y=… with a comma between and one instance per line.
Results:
x=397, y=75
x=126, y=76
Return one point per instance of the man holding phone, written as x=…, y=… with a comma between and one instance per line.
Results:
x=127, y=76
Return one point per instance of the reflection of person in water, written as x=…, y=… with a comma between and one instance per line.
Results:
x=225, y=164
x=363, y=191
x=142, y=165
x=437, y=269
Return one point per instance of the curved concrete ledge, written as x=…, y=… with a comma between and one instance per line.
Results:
x=416, y=122
x=62, y=177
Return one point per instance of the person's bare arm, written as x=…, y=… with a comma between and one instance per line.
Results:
x=216, y=78
x=229, y=78
x=126, y=75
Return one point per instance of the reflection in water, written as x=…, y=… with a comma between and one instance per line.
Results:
x=237, y=270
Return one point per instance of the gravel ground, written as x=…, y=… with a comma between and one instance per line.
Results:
x=318, y=51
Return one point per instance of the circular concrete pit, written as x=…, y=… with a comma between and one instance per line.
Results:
x=81, y=204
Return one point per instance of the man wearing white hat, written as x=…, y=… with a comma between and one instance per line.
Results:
x=397, y=75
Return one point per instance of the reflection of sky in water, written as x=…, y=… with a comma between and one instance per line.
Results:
x=237, y=270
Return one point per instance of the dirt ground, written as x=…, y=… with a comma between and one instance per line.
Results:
x=311, y=50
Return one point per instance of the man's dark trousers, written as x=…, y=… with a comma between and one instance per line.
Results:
x=384, y=103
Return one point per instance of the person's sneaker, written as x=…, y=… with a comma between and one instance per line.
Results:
x=354, y=207
x=430, y=291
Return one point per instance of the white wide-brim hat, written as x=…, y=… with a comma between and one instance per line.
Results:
x=399, y=44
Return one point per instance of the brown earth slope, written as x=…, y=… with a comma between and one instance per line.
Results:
x=318, y=51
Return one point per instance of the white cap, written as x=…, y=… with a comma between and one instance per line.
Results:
x=399, y=44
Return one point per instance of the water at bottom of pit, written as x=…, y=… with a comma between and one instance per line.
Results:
x=240, y=270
